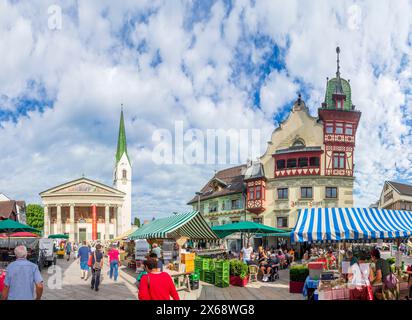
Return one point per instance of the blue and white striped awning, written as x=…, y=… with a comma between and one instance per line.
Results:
x=336, y=224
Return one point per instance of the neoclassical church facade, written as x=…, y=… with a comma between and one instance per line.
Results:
x=89, y=210
x=309, y=162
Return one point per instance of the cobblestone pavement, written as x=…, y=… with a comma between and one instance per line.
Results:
x=75, y=288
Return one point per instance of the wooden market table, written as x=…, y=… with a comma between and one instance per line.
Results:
x=182, y=278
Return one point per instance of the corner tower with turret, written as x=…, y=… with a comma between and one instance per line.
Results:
x=340, y=122
x=122, y=178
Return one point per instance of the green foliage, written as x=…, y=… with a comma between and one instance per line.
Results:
x=238, y=268
x=391, y=261
x=137, y=222
x=35, y=216
x=298, y=273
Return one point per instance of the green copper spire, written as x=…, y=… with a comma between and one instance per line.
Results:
x=121, y=140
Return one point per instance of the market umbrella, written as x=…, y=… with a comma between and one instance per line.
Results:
x=247, y=227
x=23, y=235
x=58, y=236
x=9, y=226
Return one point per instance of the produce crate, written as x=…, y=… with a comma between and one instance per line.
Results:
x=205, y=264
x=198, y=263
x=209, y=277
x=184, y=257
x=222, y=266
x=222, y=283
x=190, y=266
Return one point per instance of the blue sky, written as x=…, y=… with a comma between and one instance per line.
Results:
x=211, y=64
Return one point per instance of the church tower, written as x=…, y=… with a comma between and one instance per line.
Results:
x=123, y=178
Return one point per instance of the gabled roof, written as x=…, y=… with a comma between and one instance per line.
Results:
x=62, y=187
x=7, y=208
x=232, y=177
x=401, y=188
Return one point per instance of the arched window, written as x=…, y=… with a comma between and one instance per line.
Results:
x=298, y=143
x=124, y=174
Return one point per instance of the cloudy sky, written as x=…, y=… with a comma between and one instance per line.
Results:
x=210, y=64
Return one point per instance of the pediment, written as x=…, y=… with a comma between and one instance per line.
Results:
x=82, y=186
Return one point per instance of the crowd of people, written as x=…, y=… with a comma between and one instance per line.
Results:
x=268, y=260
x=23, y=280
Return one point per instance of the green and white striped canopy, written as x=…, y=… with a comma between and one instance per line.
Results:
x=190, y=224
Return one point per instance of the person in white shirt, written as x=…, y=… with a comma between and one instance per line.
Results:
x=246, y=253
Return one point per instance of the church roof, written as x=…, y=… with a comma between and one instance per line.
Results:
x=121, y=140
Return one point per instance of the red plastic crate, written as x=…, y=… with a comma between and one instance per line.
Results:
x=237, y=281
x=315, y=265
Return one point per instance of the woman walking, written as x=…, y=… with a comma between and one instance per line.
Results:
x=156, y=285
x=114, y=262
x=68, y=250
x=97, y=266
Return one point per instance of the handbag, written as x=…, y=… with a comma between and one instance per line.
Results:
x=390, y=281
x=96, y=263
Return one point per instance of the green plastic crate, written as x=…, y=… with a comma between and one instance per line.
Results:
x=209, y=277
x=198, y=264
x=222, y=265
x=205, y=264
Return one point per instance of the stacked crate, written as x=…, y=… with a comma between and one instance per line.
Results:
x=198, y=264
x=188, y=259
x=222, y=270
x=209, y=277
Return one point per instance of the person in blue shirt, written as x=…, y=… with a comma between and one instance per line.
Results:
x=83, y=258
x=22, y=276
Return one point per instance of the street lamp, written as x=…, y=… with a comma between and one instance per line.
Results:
x=198, y=200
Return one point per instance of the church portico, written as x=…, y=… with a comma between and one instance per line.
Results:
x=89, y=210
x=84, y=209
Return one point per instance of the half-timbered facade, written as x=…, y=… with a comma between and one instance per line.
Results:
x=309, y=160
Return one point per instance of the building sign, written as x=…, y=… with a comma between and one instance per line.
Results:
x=307, y=204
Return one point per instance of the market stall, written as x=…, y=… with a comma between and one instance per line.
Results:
x=344, y=226
x=177, y=230
x=15, y=234
x=246, y=228
x=61, y=240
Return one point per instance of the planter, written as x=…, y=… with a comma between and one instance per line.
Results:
x=237, y=281
x=296, y=287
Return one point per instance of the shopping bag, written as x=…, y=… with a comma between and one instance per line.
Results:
x=90, y=261
x=370, y=292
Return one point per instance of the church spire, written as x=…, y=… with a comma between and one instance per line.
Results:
x=121, y=140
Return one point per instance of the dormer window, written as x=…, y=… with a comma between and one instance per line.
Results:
x=339, y=104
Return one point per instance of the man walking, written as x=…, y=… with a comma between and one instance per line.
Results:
x=83, y=256
x=22, y=276
x=158, y=251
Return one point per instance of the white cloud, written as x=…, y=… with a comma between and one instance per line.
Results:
x=87, y=69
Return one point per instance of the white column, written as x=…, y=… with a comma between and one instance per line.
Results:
x=72, y=234
x=119, y=221
x=59, y=218
x=107, y=222
x=46, y=221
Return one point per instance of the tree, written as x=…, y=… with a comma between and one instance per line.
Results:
x=137, y=222
x=35, y=216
